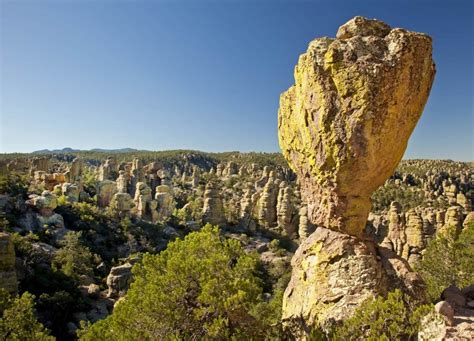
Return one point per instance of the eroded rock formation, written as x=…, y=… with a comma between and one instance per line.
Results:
x=213, y=209
x=355, y=102
x=343, y=128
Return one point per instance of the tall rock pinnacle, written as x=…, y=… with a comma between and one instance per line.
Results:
x=345, y=123
x=343, y=128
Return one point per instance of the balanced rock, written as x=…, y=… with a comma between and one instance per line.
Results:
x=345, y=124
x=343, y=128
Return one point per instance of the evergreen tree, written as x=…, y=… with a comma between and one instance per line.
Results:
x=18, y=320
x=199, y=287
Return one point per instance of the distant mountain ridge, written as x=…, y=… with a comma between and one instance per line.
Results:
x=99, y=150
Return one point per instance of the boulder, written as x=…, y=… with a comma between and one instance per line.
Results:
x=119, y=280
x=343, y=127
x=446, y=310
x=105, y=191
x=332, y=274
x=345, y=124
x=453, y=296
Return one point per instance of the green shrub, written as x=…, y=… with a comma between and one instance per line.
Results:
x=18, y=320
x=74, y=259
x=448, y=260
x=199, y=287
x=380, y=318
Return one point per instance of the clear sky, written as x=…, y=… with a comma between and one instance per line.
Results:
x=202, y=75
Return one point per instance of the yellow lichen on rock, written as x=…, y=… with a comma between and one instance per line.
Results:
x=343, y=128
x=345, y=124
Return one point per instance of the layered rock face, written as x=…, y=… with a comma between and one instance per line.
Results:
x=343, y=128
x=345, y=124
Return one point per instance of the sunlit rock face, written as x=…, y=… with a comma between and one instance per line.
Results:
x=343, y=128
x=345, y=123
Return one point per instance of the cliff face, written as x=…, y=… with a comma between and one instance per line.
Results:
x=343, y=128
x=345, y=123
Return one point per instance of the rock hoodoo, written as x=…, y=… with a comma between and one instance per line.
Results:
x=343, y=127
x=345, y=124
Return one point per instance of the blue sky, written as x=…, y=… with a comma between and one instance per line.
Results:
x=202, y=75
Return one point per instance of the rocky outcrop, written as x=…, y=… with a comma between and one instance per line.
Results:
x=266, y=211
x=355, y=102
x=165, y=202
x=415, y=239
x=121, y=204
x=453, y=318
x=8, y=279
x=396, y=229
x=45, y=205
x=137, y=175
x=343, y=128
x=285, y=211
x=107, y=170
x=333, y=272
x=105, y=191
x=119, y=280
x=70, y=191
x=213, y=209
x=122, y=181
x=247, y=206
x=75, y=172
x=305, y=228
x=144, y=204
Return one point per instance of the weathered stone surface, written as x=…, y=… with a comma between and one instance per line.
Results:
x=70, y=191
x=453, y=296
x=165, y=202
x=445, y=309
x=122, y=182
x=469, y=220
x=143, y=200
x=332, y=273
x=8, y=279
x=267, y=213
x=285, y=211
x=344, y=125
x=213, y=209
x=121, y=203
x=305, y=228
x=415, y=241
x=106, y=170
x=247, y=205
x=396, y=228
x=119, y=280
x=45, y=201
x=343, y=128
x=75, y=172
x=105, y=191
